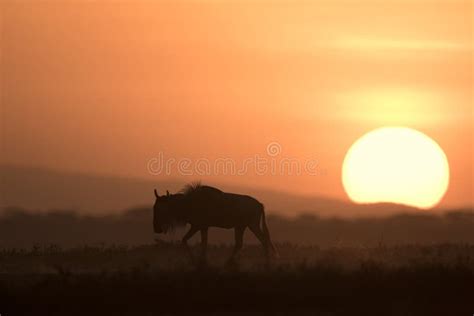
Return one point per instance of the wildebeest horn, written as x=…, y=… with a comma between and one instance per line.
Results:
x=167, y=193
x=156, y=194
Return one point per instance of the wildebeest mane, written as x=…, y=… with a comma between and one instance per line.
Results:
x=195, y=187
x=191, y=188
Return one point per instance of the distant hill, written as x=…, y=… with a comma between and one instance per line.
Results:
x=44, y=189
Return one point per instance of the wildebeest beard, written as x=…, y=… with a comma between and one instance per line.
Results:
x=170, y=225
x=170, y=218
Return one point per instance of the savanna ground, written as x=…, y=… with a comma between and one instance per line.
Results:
x=160, y=279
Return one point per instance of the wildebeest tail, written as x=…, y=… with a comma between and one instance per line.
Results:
x=266, y=232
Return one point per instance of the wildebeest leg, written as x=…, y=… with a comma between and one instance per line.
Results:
x=186, y=237
x=261, y=237
x=239, y=240
x=204, y=243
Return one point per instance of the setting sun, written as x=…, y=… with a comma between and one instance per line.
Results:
x=396, y=164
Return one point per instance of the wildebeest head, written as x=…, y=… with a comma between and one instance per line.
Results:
x=163, y=215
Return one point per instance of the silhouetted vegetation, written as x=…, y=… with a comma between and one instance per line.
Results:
x=63, y=263
x=160, y=280
x=19, y=228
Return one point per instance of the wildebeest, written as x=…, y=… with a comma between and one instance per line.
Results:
x=203, y=207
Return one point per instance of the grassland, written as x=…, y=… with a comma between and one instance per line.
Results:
x=160, y=279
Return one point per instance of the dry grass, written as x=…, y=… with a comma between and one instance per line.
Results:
x=161, y=280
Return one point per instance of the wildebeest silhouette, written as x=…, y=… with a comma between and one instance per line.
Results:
x=203, y=207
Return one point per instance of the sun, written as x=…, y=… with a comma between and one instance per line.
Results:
x=398, y=165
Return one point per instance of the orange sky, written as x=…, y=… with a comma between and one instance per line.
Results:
x=105, y=86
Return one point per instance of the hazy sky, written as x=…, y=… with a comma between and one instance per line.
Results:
x=104, y=87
